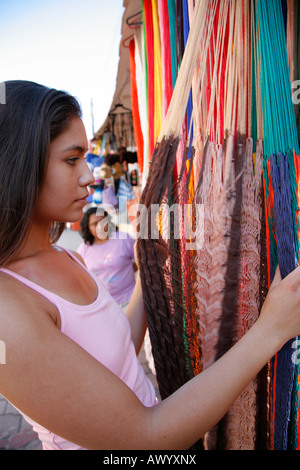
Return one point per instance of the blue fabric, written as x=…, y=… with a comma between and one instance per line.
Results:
x=284, y=227
x=189, y=110
x=94, y=160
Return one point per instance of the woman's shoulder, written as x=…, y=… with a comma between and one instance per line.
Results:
x=8, y=291
x=78, y=255
x=19, y=301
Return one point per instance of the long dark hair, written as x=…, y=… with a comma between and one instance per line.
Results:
x=31, y=118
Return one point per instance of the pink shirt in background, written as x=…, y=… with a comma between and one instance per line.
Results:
x=112, y=263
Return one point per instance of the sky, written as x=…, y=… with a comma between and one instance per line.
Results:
x=71, y=45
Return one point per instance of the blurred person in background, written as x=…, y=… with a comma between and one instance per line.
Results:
x=108, y=254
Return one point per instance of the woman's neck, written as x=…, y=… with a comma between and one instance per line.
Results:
x=37, y=240
x=100, y=241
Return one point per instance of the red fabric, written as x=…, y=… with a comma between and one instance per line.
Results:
x=139, y=140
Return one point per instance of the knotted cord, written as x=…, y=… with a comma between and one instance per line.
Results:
x=228, y=150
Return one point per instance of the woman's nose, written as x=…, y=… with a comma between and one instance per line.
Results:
x=86, y=178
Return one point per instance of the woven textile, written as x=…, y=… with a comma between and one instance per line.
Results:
x=226, y=159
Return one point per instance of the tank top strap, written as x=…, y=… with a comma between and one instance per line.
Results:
x=69, y=252
x=66, y=250
x=51, y=296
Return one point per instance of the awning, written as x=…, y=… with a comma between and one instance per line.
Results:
x=119, y=118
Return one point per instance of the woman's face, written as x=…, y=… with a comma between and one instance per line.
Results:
x=64, y=190
x=98, y=226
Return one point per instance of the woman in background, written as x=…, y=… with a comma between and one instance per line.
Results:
x=108, y=254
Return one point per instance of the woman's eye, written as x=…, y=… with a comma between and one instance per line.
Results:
x=72, y=161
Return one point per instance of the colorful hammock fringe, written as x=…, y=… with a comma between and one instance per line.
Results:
x=237, y=156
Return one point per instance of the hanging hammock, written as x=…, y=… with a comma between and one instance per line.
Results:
x=225, y=166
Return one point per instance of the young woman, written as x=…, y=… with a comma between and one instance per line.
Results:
x=71, y=362
x=108, y=254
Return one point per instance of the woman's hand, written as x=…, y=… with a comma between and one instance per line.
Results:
x=281, y=309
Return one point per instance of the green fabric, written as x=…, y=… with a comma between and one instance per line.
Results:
x=280, y=132
x=172, y=26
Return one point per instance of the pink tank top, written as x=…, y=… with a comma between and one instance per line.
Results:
x=103, y=330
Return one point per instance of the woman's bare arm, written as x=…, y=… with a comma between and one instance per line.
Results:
x=136, y=315
x=58, y=384
x=135, y=310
